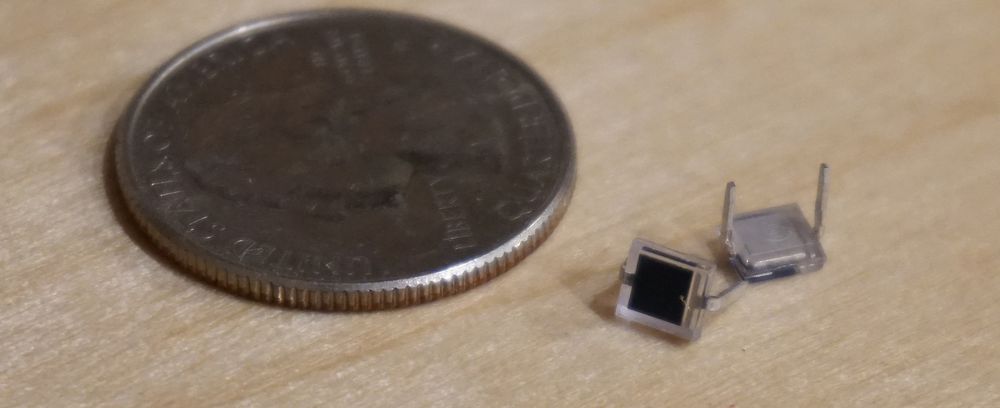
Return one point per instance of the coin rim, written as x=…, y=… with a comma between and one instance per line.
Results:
x=334, y=296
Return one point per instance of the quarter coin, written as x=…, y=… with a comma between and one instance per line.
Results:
x=345, y=160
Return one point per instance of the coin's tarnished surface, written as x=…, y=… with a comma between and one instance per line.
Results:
x=346, y=160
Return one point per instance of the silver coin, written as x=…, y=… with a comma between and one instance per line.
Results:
x=346, y=160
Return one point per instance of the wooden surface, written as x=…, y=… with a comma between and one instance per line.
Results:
x=669, y=99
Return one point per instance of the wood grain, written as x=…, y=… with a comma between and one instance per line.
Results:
x=669, y=99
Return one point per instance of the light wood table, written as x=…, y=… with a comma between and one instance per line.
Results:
x=669, y=99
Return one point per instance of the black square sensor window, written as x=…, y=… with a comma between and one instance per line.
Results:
x=660, y=289
x=663, y=289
